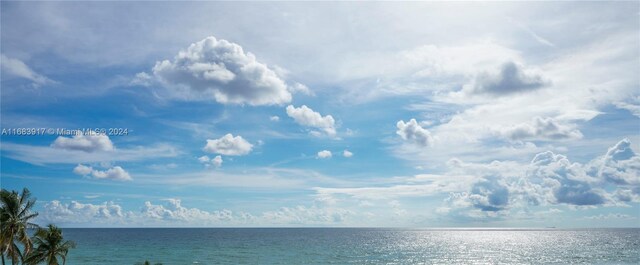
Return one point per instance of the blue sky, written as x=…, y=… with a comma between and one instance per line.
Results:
x=324, y=114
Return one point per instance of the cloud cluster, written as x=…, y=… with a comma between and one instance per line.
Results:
x=413, y=132
x=620, y=166
x=215, y=162
x=526, y=99
x=113, y=173
x=173, y=213
x=307, y=117
x=221, y=70
x=563, y=181
x=76, y=212
x=87, y=142
x=228, y=145
x=550, y=179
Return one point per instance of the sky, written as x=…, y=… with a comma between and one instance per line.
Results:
x=220, y=114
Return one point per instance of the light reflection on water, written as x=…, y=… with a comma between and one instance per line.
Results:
x=354, y=246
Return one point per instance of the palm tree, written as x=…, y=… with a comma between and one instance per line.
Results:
x=49, y=245
x=15, y=220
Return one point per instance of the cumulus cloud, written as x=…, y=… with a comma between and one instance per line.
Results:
x=307, y=117
x=216, y=161
x=620, y=165
x=173, y=213
x=114, y=173
x=82, y=170
x=567, y=182
x=511, y=78
x=324, y=154
x=489, y=195
x=549, y=179
x=541, y=129
x=347, y=153
x=87, y=142
x=15, y=68
x=413, y=132
x=222, y=71
x=488, y=198
x=228, y=145
x=58, y=212
x=274, y=118
x=625, y=194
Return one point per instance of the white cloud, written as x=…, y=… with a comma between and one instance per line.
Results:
x=487, y=195
x=300, y=88
x=114, y=173
x=324, y=154
x=87, y=142
x=222, y=71
x=626, y=195
x=76, y=212
x=347, y=153
x=204, y=159
x=511, y=78
x=541, y=129
x=173, y=213
x=274, y=118
x=413, y=132
x=11, y=67
x=82, y=170
x=582, y=88
x=228, y=145
x=498, y=189
x=141, y=79
x=562, y=181
x=620, y=165
x=217, y=161
x=551, y=179
x=307, y=117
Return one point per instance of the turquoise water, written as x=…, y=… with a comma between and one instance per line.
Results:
x=352, y=246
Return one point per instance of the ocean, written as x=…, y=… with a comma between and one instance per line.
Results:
x=352, y=246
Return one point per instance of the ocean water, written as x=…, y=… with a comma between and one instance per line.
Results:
x=352, y=246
